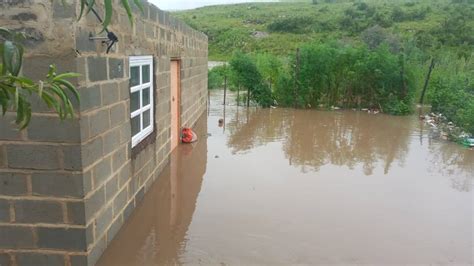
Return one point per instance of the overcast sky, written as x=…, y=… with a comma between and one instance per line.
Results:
x=190, y=4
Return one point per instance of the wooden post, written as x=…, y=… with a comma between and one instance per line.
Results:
x=427, y=80
x=248, y=97
x=225, y=87
x=402, y=76
x=238, y=95
x=297, y=73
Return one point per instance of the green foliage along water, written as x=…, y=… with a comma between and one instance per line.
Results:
x=353, y=54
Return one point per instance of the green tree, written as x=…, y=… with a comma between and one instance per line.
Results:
x=246, y=74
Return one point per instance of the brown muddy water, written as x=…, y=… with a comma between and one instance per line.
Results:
x=283, y=186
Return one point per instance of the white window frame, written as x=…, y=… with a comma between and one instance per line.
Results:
x=141, y=61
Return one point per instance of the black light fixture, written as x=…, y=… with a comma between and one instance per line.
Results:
x=109, y=40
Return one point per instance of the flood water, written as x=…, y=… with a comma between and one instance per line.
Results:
x=283, y=186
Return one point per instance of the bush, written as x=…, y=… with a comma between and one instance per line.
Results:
x=335, y=75
x=215, y=78
x=291, y=25
x=245, y=73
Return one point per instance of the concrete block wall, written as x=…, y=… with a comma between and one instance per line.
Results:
x=66, y=188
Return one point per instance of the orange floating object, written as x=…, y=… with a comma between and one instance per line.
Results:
x=188, y=136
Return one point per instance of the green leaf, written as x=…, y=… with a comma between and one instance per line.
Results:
x=108, y=13
x=90, y=5
x=71, y=88
x=66, y=76
x=59, y=92
x=11, y=58
x=126, y=5
x=17, y=97
x=24, y=113
x=5, y=33
x=138, y=3
x=40, y=88
x=83, y=5
x=20, y=112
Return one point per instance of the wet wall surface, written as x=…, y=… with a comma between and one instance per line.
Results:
x=283, y=186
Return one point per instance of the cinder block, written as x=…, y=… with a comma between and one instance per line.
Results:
x=33, y=211
x=4, y=211
x=113, y=230
x=77, y=260
x=121, y=200
x=125, y=174
x=124, y=88
x=97, y=251
x=110, y=93
x=90, y=235
x=8, y=128
x=23, y=237
x=97, y=68
x=140, y=195
x=76, y=213
x=72, y=239
x=58, y=185
x=42, y=157
x=125, y=132
x=63, y=10
x=116, y=68
x=13, y=184
x=40, y=259
x=3, y=156
x=111, y=188
x=94, y=203
x=5, y=260
x=92, y=151
x=128, y=210
x=119, y=158
x=72, y=159
x=153, y=13
x=83, y=43
x=103, y=221
x=47, y=128
x=111, y=141
x=99, y=122
x=117, y=115
x=102, y=171
x=91, y=97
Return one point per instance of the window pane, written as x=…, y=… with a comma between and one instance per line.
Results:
x=135, y=101
x=146, y=118
x=146, y=73
x=146, y=96
x=136, y=125
x=134, y=76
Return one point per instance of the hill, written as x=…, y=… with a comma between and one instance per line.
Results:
x=279, y=28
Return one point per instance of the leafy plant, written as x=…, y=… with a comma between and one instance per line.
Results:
x=88, y=5
x=15, y=89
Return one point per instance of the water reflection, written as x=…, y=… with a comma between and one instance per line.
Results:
x=156, y=232
x=458, y=164
x=313, y=139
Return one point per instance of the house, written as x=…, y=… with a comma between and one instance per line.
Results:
x=66, y=188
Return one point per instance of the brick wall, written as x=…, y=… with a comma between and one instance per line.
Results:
x=66, y=188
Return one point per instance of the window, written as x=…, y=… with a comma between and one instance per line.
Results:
x=141, y=97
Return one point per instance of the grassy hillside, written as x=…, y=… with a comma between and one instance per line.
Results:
x=430, y=23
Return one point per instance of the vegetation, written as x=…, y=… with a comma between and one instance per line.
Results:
x=16, y=89
x=353, y=54
x=432, y=24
